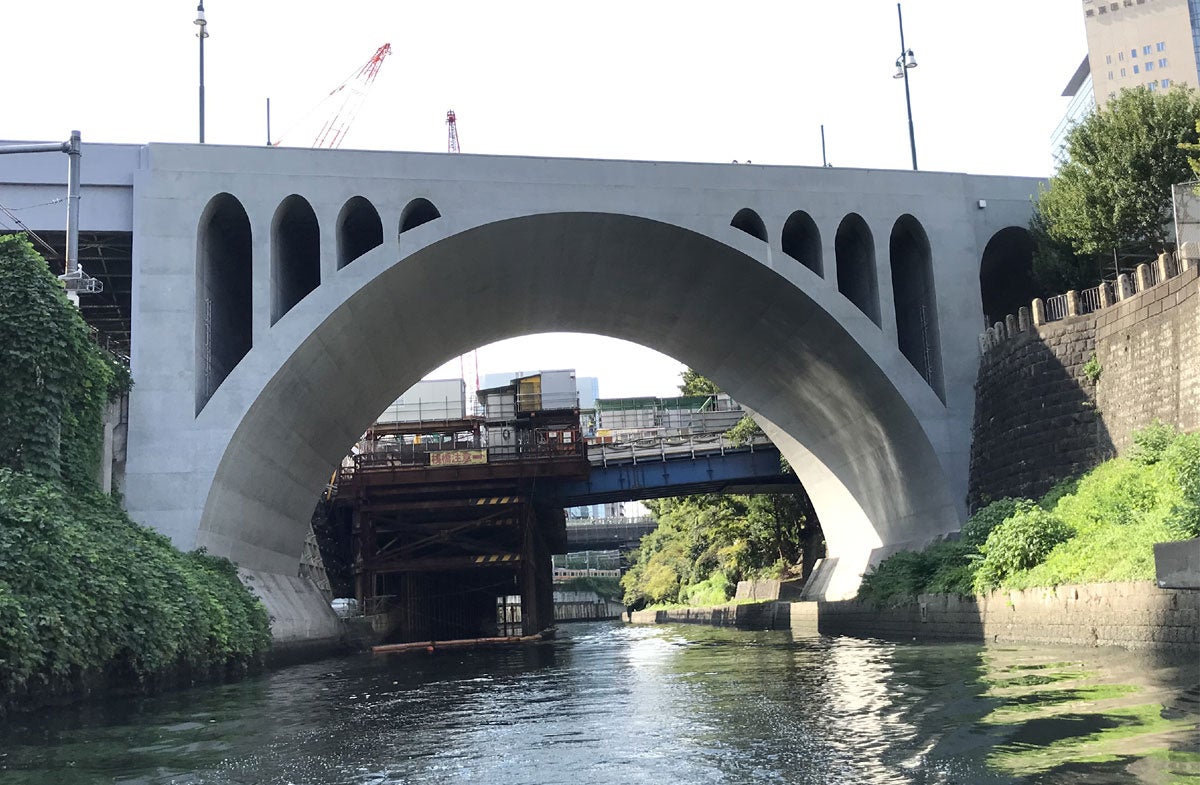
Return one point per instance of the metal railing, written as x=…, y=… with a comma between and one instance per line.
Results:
x=1056, y=308
x=663, y=448
x=1089, y=300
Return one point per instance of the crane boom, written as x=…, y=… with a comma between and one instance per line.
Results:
x=352, y=92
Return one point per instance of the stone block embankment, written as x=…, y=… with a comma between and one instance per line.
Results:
x=1135, y=615
x=746, y=616
x=1045, y=410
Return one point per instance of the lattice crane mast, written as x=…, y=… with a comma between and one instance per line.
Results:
x=452, y=126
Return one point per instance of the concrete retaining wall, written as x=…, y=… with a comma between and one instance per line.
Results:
x=1137, y=615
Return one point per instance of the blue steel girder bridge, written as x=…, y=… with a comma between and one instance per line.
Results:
x=663, y=466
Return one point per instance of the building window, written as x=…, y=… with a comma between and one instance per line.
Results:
x=1108, y=59
x=1135, y=69
x=1121, y=56
x=1150, y=65
x=1153, y=86
x=1166, y=83
x=1110, y=76
x=1133, y=53
x=1122, y=73
x=1146, y=49
x=1161, y=46
x=1162, y=63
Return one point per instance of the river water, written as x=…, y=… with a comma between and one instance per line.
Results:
x=614, y=704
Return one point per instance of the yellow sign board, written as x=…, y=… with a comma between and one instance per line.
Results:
x=457, y=457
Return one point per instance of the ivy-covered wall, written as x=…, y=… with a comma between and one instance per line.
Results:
x=87, y=597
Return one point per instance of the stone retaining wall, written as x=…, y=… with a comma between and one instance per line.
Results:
x=1136, y=615
x=1040, y=418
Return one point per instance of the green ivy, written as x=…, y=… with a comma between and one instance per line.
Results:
x=57, y=380
x=86, y=595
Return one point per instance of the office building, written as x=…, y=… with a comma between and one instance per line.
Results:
x=1142, y=43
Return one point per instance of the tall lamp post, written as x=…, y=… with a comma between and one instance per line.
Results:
x=202, y=34
x=905, y=61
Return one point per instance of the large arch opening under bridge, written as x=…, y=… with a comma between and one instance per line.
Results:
x=858, y=424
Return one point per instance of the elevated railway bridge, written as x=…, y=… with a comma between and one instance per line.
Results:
x=441, y=525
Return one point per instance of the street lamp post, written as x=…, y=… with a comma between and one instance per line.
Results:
x=202, y=34
x=905, y=61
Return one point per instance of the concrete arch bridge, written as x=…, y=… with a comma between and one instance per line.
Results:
x=282, y=298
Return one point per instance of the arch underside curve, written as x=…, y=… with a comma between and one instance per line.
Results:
x=870, y=467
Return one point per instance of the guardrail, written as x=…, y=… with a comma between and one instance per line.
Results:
x=1079, y=303
x=662, y=448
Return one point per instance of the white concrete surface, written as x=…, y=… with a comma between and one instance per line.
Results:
x=301, y=618
x=519, y=240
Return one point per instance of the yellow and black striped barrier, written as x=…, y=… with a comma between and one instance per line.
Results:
x=498, y=558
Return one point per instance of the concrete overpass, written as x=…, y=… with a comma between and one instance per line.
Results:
x=281, y=298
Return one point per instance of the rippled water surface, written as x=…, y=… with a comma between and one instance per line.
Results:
x=613, y=704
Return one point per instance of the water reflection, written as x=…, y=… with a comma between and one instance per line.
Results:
x=616, y=704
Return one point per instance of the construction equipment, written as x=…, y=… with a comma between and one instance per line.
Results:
x=346, y=100
x=452, y=125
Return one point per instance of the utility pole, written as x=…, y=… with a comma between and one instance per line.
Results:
x=74, y=278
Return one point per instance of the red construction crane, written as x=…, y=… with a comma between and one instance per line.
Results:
x=353, y=92
x=452, y=125
x=342, y=104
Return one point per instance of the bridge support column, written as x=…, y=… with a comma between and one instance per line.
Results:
x=364, y=539
x=537, y=575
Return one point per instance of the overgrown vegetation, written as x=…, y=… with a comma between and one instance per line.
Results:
x=88, y=597
x=704, y=545
x=1098, y=528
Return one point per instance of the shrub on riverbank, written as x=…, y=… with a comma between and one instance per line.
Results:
x=87, y=597
x=1098, y=528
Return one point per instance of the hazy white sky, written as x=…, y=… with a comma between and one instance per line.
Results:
x=687, y=80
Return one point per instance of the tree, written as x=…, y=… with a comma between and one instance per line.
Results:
x=1057, y=268
x=1114, y=191
x=694, y=383
x=1193, y=148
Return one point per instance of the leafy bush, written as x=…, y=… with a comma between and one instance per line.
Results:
x=1096, y=528
x=1022, y=541
x=955, y=564
x=1150, y=442
x=87, y=592
x=977, y=528
x=897, y=579
x=1182, y=459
